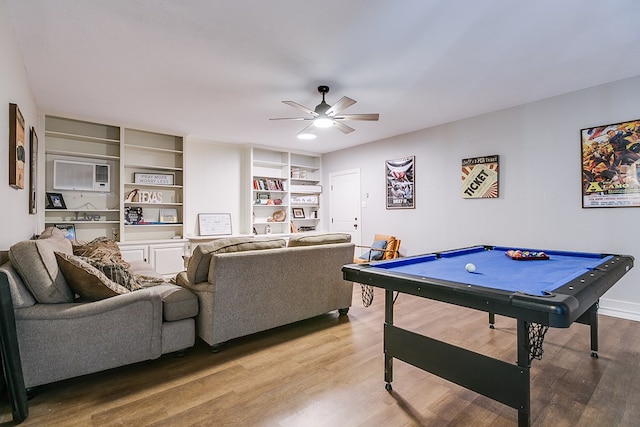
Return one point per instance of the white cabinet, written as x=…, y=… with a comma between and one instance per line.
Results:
x=164, y=257
x=285, y=191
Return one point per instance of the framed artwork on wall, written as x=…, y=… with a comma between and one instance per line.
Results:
x=611, y=165
x=17, y=152
x=480, y=177
x=399, y=177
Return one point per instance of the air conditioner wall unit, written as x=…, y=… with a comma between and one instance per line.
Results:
x=81, y=176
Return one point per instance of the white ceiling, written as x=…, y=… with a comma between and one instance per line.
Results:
x=218, y=70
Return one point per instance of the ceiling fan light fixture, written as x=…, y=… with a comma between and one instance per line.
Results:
x=323, y=122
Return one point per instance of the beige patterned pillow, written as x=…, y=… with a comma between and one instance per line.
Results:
x=85, y=280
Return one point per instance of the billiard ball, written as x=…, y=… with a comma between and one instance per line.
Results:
x=470, y=268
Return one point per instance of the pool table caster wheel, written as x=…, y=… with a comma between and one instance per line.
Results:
x=388, y=387
x=594, y=354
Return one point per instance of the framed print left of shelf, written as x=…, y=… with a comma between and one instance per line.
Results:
x=82, y=163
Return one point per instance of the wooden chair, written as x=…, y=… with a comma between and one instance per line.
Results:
x=391, y=251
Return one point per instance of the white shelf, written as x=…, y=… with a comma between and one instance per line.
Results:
x=77, y=137
x=152, y=149
x=153, y=167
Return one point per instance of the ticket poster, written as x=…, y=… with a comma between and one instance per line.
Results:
x=480, y=177
x=610, y=165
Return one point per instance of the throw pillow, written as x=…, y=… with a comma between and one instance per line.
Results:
x=373, y=254
x=85, y=280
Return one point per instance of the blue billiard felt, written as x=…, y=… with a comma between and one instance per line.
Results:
x=497, y=271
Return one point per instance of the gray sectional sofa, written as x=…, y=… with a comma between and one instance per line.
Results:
x=249, y=285
x=60, y=337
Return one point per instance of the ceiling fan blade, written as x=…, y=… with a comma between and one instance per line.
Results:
x=343, y=128
x=292, y=118
x=371, y=117
x=309, y=129
x=301, y=107
x=342, y=104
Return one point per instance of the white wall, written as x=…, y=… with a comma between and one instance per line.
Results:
x=15, y=222
x=540, y=187
x=214, y=183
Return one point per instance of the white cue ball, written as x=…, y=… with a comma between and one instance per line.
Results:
x=470, y=268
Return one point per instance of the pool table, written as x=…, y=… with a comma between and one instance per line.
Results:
x=554, y=290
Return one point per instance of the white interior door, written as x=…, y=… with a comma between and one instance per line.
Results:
x=344, y=203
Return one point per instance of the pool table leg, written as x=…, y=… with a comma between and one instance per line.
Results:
x=525, y=365
x=593, y=325
x=388, y=320
x=492, y=320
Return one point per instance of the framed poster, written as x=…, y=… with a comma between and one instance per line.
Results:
x=33, y=171
x=480, y=177
x=69, y=230
x=399, y=177
x=611, y=165
x=214, y=224
x=17, y=152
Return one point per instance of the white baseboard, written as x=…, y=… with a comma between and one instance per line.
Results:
x=621, y=309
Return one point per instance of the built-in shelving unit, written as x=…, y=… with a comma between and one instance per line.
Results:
x=92, y=213
x=285, y=191
x=155, y=159
x=153, y=171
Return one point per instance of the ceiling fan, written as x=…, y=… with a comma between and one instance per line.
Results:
x=326, y=115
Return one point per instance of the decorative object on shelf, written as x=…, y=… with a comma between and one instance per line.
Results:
x=149, y=196
x=55, y=201
x=17, y=153
x=298, y=212
x=311, y=199
x=400, y=183
x=262, y=198
x=69, y=230
x=304, y=228
x=153, y=178
x=610, y=158
x=133, y=215
x=277, y=202
x=278, y=216
x=480, y=177
x=267, y=229
x=131, y=196
x=168, y=216
x=33, y=172
x=214, y=224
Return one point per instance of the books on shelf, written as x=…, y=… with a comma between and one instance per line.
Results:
x=272, y=184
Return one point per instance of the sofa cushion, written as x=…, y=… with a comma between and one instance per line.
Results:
x=319, y=239
x=35, y=262
x=87, y=281
x=177, y=303
x=198, y=268
x=52, y=232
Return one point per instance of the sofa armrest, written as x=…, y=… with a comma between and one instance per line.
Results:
x=68, y=311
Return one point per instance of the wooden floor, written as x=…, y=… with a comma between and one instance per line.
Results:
x=328, y=371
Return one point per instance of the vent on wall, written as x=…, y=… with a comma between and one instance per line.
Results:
x=80, y=176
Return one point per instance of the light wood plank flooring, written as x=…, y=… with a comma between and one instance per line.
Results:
x=328, y=371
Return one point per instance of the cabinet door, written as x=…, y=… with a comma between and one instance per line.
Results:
x=167, y=258
x=135, y=253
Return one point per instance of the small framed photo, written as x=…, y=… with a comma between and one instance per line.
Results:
x=168, y=216
x=297, y=212
x=69, y=230
x=55, y=201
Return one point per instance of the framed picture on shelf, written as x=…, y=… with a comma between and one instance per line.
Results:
x=153, y=178
x=169, y=216
x=69, y=230
x=55, y=201
x=214, y=224
x=297, y=212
